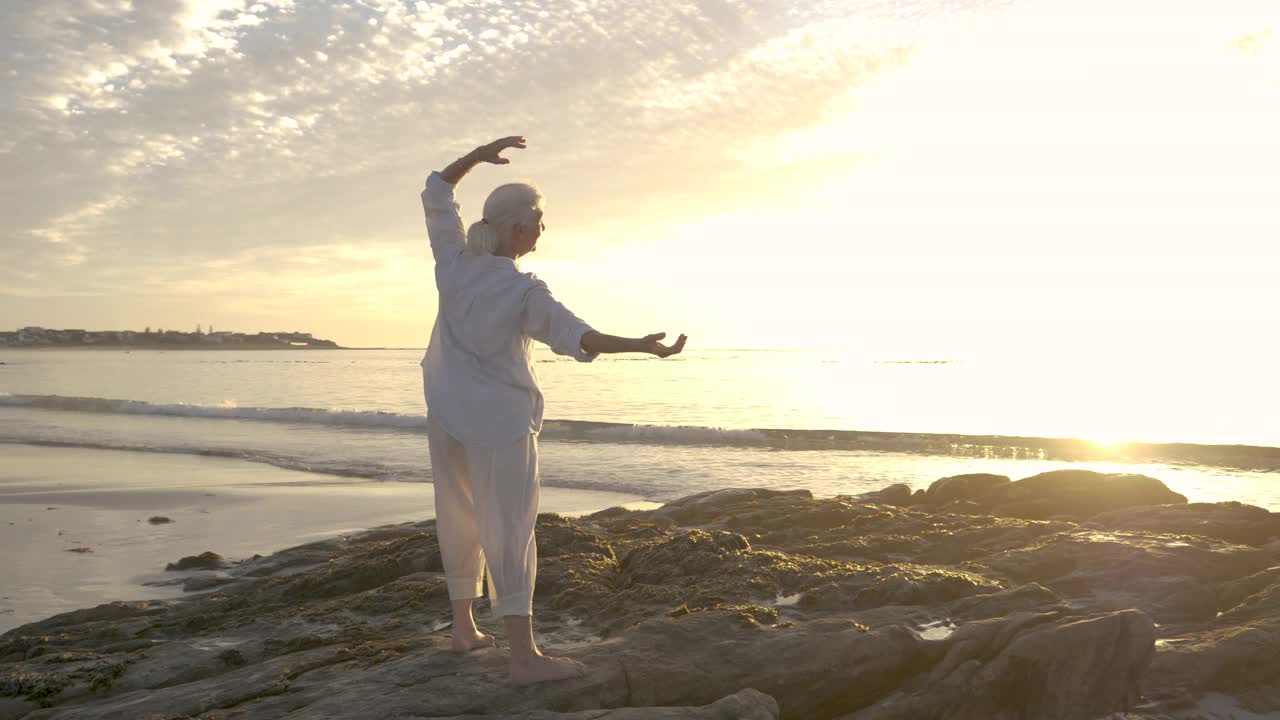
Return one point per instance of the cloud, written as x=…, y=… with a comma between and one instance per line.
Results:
x=199, y=145
x=180, y=106
x=1255, y=43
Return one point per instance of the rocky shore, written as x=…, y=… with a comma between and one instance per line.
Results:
x=1071, y=595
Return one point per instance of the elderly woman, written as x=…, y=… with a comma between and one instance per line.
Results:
x=483, y=403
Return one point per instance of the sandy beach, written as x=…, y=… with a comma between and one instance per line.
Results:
x=75, y=526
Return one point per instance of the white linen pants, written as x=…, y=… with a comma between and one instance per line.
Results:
x=486, y=510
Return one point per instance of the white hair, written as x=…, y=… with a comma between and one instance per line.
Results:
x=507, y=206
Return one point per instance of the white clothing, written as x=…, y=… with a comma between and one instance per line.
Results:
x=478, y=372
x=486, y=510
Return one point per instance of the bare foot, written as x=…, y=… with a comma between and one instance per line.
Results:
x=542, y=668
x=468, y=640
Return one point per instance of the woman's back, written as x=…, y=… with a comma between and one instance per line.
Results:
x=478, y=373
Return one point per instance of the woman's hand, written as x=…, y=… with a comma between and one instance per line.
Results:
x=650, y=344
x=489, y=153
x=485, y=153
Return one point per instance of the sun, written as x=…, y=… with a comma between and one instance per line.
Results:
x=1108, y=441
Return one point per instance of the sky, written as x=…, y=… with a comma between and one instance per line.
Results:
x=899, y=179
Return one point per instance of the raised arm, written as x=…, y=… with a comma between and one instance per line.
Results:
x=444, y=221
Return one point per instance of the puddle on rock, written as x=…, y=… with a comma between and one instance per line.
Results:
x=939, y=630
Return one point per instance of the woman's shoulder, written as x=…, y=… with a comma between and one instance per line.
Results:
x=501, y=274
x=492, y=264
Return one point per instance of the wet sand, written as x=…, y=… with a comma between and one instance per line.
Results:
x=54, y=501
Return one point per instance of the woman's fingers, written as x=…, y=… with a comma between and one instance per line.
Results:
x=664, y=350
x=490, y=152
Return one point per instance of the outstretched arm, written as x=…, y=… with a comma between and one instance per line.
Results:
x=547, y=321
x=598, y=342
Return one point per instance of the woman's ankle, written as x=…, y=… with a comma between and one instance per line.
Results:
x=524, y=656
x=519, y=631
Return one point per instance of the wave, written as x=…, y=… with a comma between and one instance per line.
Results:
x=311, y=416
x=377, y=419
x=1254, y=458
x=586, y=430
x=344, y=468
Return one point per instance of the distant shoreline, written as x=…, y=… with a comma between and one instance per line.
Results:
x=103, y=346
x=34, y=336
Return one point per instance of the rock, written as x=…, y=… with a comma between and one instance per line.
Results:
x=559, y=536
x=821, y=604
x=102, y=614
x=416, y=592
x=745, y=704
x=13, y=708
x=1252, y=598
x=961, y=487
x=1231, y=521
x=293, y=560
x=897, y=494
x=693, y=554
x=231, y=686
x=699, y=569
x=1069, y=669
x=200, y=584
x=1023, y=598
x=203, y=561
x=1233, y=659
x=348, y=575
x=897, y=585
x=888, y=534
x=814, y=670
x=580, y=581
x=1075, y=493
x=693, y=508
x=159, y=520
x=1171, y=578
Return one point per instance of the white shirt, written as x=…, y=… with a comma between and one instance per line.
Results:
x=478, y=371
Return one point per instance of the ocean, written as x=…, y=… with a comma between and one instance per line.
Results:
x=660, y=429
